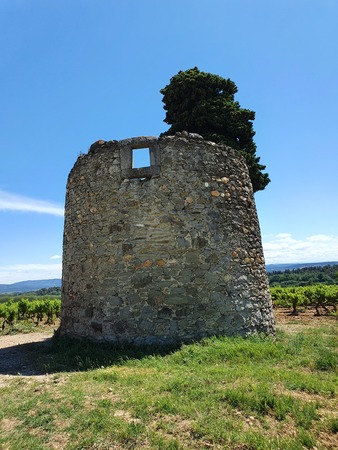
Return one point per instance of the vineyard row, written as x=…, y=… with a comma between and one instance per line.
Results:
x=321, y=297
x=29, y=310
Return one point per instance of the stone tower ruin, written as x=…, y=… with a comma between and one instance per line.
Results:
x=163, y=254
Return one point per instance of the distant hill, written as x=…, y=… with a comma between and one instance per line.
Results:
x=293, y=266
x=29, y=286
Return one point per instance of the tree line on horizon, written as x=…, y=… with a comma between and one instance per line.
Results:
x=305, y=276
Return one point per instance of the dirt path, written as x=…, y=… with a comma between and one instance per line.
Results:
x=27, y=338
x=18, y=353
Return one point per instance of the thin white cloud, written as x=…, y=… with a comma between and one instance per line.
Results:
x=283, y=248
x=13, y=202
x=56, y=257
x=284, y=236
x=320, y=238
x=23, y=272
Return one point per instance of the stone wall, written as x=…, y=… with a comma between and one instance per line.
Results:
x=164, y=254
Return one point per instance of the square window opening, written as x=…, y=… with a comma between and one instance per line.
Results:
x=140, y=158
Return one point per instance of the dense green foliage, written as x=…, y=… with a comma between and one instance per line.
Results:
x=55, y=291
x=203, y=103
x=306, y=276
x=321, y=297
x=29, y=311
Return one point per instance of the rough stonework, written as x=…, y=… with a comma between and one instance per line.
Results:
x=163, y=254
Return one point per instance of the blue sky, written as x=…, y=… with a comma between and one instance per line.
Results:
x=75, y=71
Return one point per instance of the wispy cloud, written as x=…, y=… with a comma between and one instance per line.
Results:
x=56, y=257
x=13, y=202
x=24, y=272
x=283, y=248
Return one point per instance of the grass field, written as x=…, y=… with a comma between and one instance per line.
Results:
x=225, y=393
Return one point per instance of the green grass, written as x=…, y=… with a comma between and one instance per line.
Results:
x=224, y=393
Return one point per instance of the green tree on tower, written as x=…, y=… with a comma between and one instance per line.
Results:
x=203, y=103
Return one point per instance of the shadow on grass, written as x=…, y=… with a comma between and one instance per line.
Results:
x=23, y=359
x=70, y=355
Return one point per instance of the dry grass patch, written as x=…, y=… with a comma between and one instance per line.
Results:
x=58, y=441
x=127, y=416
x=9, y=424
